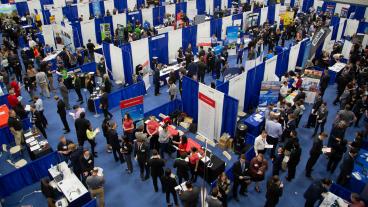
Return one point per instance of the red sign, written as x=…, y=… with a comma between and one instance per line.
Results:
x=131, y=102
x=206, y=99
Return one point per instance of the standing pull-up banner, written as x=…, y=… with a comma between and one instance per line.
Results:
x=134, y=107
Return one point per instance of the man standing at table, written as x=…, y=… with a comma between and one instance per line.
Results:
x=95, y=185
x=36, y=120
x=274, y=132
x=16, y=127
x=61, y=110
x=81, y=126
x=87, y=164
x=347, y=167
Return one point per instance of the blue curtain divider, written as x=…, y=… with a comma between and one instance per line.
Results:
x=114, y=98
x=190, y=37
x=335, y=23
x=216, y=4
x=253, y=86
x=201, y=6
x=4, y=100
x=182, y=6
x=22, y=8
x=166, y=108
x=128, y=63
x=158, y=14
x=363, y=27
x=230, y=114
x=271, y=13
x=133, y=16
x=106, y=53
x=98, y=21
x=190, y=101
x=31, y=173
x=158, y=47
x=71, y=13
x=216, y=27
x=223, y=87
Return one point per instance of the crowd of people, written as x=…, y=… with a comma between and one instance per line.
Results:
x=149, y=144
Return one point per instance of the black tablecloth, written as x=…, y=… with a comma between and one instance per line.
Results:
x=42, y=151
x=212, y=171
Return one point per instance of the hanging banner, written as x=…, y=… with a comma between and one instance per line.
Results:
x=318, y=39
x=105, y=31
x=134, y=107
x=96, y=8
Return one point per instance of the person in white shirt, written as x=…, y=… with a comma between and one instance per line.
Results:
x=77, y=111
x=284, y=89
x=274, y=131
x=39, y=107
x=260, y=143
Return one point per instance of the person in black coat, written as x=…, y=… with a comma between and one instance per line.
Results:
x=169, y=183
x=107, y=83
x=315, y=190
x=278, y=161
x=61, y=110
x=105, y=128
x=295, y=153
x=217, y=68
x=313, y=115
x=274, y=191
x=81, y=126
x=87, y=164
x=323, y=84
x=290, y=126
x=75, y=154
x=113, y=138
x=182, y=168
x=314, y=153
x=141, y=153
x=126, y=150
x=360, y=106
x=156, y=80
x=156, y=165
x=77, y=87
x=36, y=120
x=48, y=191
x=104, y=105
x=241, y=177
x=201, y=69
x=338, y=148
x=346, y=167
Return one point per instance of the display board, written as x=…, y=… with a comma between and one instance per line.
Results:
x=134, y=107
x=269, y=93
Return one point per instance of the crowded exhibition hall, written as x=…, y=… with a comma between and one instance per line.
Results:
x=190, y=103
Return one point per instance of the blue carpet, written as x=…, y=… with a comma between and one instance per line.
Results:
x=122, y=189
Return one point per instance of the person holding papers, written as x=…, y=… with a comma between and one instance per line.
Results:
x=314, y=153
x=338, y=148
x=274, y=131
x=91, y=135
x=260, y=143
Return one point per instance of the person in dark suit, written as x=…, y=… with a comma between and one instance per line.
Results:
x=115, y=142
x=190, y=197
x=314, y=153
x=156, y=165
x=295, y=153
x=75, y=154
x=347, y=167
x=313, y=115
x=77, y=87
x=182, y=168
x=81, y=126
x=87, y=164
x=213, y=199
x=141, y=153
x=169, y=183
x=104, y=105
x=217, y=68
x=126, y=150
x=241, y=177
x=278, y=161
x=323, y=84
x=290, y=126
x=156, y=80
x=36, y=120
x=182, y=73
x=61, y=110
x=315, y=190
x=338, y=148
x=202, y=68
x=274, y=191
x=64, y=93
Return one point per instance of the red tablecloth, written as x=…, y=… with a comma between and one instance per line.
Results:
x=192, y=143
x=4, y=115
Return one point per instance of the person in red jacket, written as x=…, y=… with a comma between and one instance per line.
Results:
x=14, y=84
x=13, y=98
